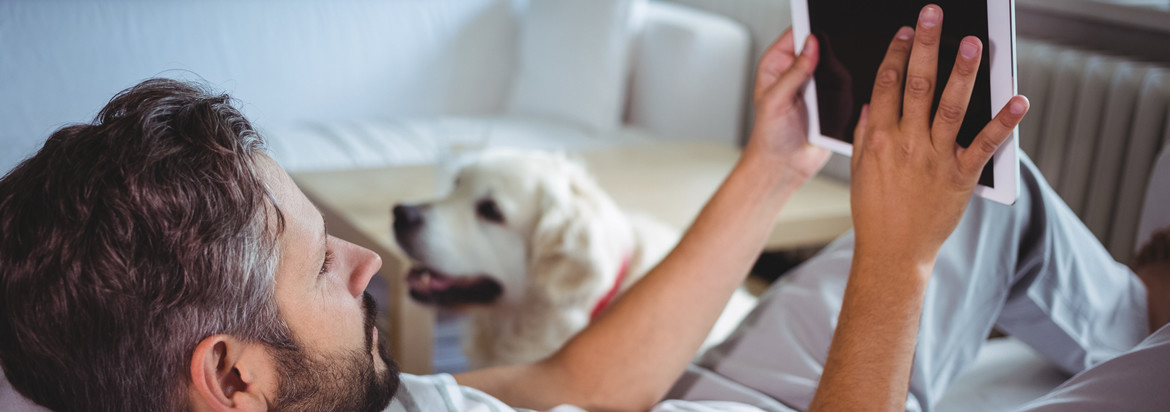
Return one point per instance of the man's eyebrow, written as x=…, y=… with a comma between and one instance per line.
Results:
x=324, y=230
x=324, y=253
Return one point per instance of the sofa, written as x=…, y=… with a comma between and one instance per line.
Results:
x=357, y=83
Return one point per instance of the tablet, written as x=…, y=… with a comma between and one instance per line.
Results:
x=854, y=36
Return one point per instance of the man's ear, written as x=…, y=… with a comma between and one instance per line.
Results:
x=228, y=374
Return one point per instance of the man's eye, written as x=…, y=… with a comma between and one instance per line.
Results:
x=488, y=210
x=327, y=263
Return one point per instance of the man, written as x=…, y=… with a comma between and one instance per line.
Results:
x=158, y=260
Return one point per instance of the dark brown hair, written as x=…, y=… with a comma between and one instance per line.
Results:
x=125, y=242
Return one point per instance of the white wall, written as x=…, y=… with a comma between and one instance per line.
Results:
x=284, y=60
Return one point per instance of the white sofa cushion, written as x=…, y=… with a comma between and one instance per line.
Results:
x=574, y=56
x=688, y=77
x=411, y=141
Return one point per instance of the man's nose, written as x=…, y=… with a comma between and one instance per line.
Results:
x=408, y=218
x=366, y=265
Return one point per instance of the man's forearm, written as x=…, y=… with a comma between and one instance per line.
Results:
x=630, y=357
x=872, y=351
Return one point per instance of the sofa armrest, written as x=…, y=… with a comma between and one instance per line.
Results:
x=689, y=74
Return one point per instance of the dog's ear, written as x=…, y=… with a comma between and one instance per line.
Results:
x=572, y=245
x=559, y=263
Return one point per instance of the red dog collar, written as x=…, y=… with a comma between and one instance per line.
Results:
x=613, y=291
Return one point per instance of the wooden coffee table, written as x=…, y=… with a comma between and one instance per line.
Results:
x=668, y=180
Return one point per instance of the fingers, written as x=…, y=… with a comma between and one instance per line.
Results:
x=886, y=102
x=782, y=94
x=859, y=135
x=972, y=159
x=775, y=60
x=801, y=70
x=921, y=76
x=862, y=123
x=953, y=105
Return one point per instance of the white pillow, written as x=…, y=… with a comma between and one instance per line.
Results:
x=574, y=60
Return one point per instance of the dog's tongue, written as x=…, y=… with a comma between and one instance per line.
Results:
x=440, y=283
x=429, y=282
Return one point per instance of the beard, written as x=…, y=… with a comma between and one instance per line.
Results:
x=346, y=382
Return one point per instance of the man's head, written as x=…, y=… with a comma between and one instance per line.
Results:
x=157, y=259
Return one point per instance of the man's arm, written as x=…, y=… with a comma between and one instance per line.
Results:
x=630, y=357
x=911, y=183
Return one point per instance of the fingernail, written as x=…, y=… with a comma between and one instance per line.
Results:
x=968, y=49
x=1018, y=107
x=929, y=16
x=905, y=33
x=804, y=51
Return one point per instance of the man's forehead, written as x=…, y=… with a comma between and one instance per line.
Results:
x=303, y=229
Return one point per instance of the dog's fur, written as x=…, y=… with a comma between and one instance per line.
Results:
x=529, y=244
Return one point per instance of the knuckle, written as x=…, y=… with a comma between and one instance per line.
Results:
x=965, y=69
x=902, y=46
x=876, y=141
x=926, y=39
x=960, y=178
x=889, y=78
x=986, y=146
x=918, y=86
x=773, y=94
x=766, y=65
x=773, y=102
x=930, y=165
x=906, y=149
x=950, y=112
x=762, y=95
x=1007, y=122
x=803, y=63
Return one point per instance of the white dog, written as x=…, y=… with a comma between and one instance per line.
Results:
x=532, y=246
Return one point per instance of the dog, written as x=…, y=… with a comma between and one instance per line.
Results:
x=531, y=247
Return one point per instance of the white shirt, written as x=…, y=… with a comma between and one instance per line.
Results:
x=441, y=393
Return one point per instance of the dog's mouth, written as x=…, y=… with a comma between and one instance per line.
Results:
x=433, y=287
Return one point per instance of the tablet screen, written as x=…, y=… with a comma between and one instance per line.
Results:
x=854, y=36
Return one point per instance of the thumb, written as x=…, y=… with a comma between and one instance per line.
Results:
x=802, y=69
x=792, y=81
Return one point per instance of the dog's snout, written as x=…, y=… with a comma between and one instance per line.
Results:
x=407, y=218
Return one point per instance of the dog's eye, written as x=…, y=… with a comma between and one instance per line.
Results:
x=488, y=210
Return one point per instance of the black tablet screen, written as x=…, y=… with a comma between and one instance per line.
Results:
x=854, y=36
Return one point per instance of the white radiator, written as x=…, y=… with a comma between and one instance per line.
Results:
x=1096, y=125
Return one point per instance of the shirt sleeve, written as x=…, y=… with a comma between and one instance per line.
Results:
x=704, y=406
x=431, y=393
x=440, y=392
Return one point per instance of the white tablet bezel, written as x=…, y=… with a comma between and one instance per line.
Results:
x=1001, y=32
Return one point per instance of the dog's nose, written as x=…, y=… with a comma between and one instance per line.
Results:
x=407, y=218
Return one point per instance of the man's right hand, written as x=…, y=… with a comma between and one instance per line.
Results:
x=911, y=180
x=780, y=133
